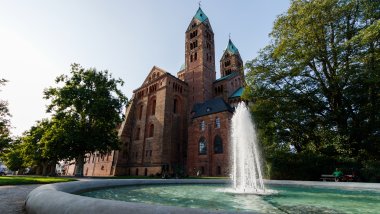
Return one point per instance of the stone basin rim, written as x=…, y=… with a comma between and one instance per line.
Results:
x=59, y=197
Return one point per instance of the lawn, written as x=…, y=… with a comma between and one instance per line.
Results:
x=17, y=180
x=152, y=177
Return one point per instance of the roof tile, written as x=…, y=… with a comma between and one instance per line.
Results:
x=211, y=107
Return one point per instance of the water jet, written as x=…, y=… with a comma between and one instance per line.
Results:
x=246, y=166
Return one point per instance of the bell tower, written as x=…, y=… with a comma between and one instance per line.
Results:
x=231, y=61
x=199, y=58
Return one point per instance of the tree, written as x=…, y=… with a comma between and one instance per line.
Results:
x=5, y=138
x=316, y=87
x=86, y=111
x=13, y=157
x=38, y=147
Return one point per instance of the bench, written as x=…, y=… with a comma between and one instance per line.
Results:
x=327, y=177
x=349, y=178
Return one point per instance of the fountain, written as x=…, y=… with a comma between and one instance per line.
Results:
x=246, y=167
x=209, y=195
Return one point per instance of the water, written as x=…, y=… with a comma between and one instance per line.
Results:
x=247, y=178
x=246, y=166
x=289, y=198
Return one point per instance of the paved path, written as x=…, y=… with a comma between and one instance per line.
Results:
x=12, y=198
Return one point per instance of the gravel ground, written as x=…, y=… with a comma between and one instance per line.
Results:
x=12, y=198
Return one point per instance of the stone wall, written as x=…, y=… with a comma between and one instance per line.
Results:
x=99, y=165
x=158, y=135
x=210, y=163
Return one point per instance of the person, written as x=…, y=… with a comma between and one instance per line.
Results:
x=338, y=175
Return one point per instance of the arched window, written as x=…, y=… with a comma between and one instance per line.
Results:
x=151, y=130
x=218, y=170
x=202, y=125
x=140, y=112
x=137, y=136
x=202, y=146
x=217, y=122
x=218, y=145
x=154, y=107
x=175, y=108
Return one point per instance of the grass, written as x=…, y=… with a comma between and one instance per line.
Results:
x=122, y=177
x=18, y=180
x=153, y=177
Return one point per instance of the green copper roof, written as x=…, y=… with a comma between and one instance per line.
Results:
x=226, y=77
x=200, y=15
x=231, y=48
x=183, y=66
x=237, y=93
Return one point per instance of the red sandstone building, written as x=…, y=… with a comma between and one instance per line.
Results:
x=179, y=125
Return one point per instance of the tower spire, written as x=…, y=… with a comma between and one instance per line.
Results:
x=199, y=3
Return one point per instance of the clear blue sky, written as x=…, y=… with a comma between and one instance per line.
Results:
x=39, y=40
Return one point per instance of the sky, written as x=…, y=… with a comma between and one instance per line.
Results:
x=40, y=39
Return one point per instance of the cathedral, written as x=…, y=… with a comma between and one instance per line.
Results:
x=179, y=125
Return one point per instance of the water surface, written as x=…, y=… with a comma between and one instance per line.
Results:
x=289, y=198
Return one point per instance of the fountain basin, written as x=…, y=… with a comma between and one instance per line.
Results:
x=56, y=198
x=59, y=197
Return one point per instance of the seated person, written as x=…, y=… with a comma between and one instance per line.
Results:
x=338, y=174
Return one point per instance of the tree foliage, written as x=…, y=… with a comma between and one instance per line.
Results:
x=5, y=138
x=34, y=150
x=86, y=111
x=37, y=147
x=316, y=87
x=12, y=156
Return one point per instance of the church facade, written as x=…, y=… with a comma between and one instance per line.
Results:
x=180, y=124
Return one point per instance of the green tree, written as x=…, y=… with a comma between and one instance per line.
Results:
x=37, y=147
x=5, y=138
x=13, y=157
x=86, y=111
x=316, y=87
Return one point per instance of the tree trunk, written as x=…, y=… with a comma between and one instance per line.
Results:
x=38, y=170
x=79, y=163
x=44, y=168
x=52, y=169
